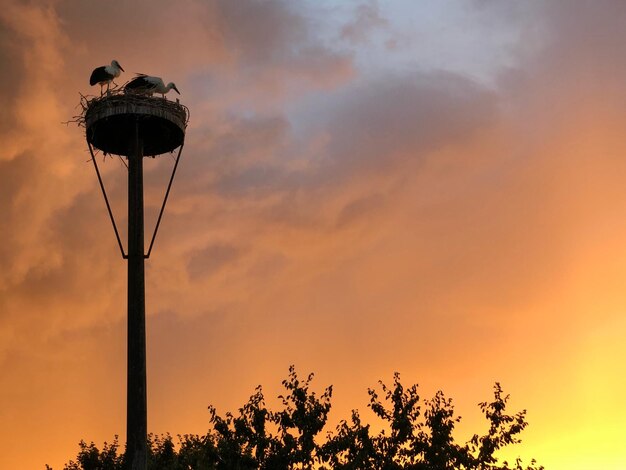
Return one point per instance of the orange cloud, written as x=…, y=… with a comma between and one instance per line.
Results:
x=354, y=219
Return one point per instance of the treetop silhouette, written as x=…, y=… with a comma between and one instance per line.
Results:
x=417, y=434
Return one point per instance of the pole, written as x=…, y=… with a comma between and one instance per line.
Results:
x=136, y=413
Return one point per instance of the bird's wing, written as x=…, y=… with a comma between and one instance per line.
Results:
x=154, y=81
x=98, y=75
x=137, y=82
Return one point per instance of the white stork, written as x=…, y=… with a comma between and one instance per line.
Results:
x=148, y=85
x=105, y=75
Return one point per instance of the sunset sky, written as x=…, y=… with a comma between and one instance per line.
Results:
x=434, y=187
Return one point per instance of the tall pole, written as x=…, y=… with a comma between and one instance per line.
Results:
x=136, y=413
x=113, y=124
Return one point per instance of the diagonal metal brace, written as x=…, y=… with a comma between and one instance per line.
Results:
x=106, y=199
x=167, y=193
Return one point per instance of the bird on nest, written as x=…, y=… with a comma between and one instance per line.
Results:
x=147, y=85
x=105, y=75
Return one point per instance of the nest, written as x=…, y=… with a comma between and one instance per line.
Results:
x=90, y=104
x=112, y=120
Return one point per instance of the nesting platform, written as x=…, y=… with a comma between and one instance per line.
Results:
x=111, y=122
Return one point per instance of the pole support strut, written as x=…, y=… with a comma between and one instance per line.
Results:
x=167, y=193
x=106, y=200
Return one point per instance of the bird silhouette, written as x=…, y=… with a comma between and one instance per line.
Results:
x=105, y=75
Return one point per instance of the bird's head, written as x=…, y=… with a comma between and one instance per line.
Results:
x=115, y=63
x=173, y=87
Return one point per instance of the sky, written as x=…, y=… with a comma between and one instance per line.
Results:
x=434, y=188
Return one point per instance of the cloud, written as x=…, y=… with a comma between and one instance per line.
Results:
x=243, y=53
x=43, y=179
x=51, y=49
x=405, y=117
x=210, y=260
x=367, y=20
x=343, y=218
x=35, y=173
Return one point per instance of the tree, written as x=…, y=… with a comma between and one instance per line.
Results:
x=417, y=435
x=90, y=457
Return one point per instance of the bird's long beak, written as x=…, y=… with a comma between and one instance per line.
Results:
x=121, y=68
x=176, y=89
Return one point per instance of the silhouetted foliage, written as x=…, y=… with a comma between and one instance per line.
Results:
x=90, y=457
x=417, y=435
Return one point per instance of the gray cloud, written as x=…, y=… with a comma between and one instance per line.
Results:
x=367, y=20
x=315, y=209
x=211, y=259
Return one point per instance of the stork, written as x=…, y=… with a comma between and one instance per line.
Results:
x=148, y=85
x=105, y=75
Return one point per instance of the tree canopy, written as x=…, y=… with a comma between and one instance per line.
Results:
x=416, y=434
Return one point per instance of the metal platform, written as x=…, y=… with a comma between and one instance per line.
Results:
x=111, y=123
